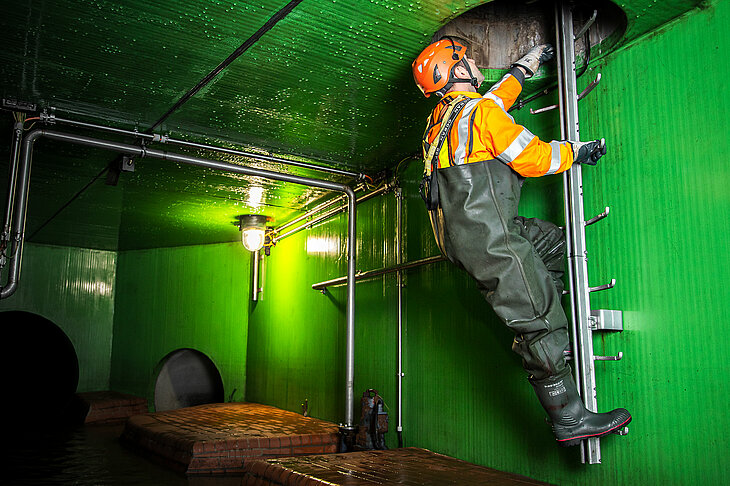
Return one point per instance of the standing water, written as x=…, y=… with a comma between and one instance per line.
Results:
x=88, y=455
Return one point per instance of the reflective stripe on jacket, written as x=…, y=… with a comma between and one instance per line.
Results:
x=485, y=131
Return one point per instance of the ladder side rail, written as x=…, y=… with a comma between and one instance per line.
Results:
x=577, y=257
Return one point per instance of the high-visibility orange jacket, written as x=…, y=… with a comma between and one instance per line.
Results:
x=483, y=130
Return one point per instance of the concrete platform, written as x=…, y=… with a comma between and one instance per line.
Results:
x=221, y=438
x=109, y=407
x=407, y=467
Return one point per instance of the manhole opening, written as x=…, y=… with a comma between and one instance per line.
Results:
x=499, y=32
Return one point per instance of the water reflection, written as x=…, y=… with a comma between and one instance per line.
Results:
x=89, y=455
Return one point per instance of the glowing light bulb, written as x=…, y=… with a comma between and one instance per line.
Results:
x=253, y=238
x=253, y=230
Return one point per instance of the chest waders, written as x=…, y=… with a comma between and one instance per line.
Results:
x=516, y=262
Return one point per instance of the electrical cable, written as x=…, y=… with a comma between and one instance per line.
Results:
x=283, y=12
x=75, y=196
x=32, y=124
x=240, y=50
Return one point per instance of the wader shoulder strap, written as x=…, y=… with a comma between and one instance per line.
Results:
x=429, y=187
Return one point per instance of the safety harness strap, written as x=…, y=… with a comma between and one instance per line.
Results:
x=452, y=112
x=429, y=187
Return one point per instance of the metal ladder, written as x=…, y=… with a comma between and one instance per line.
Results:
x=584, y=321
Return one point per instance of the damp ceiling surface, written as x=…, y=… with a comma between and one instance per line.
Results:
x=330, y=83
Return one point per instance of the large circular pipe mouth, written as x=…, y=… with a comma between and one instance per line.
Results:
x=185, y=378
x=41, y=371
x=498, y=33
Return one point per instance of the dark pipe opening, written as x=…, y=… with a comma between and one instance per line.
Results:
x=40, y=372
x=187, y=378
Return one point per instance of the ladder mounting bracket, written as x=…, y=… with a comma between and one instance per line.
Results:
x=607, y=320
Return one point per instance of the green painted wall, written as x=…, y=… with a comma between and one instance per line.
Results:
x=666, y=181
x=74, y=288
x=185, y=297
x=296, y=342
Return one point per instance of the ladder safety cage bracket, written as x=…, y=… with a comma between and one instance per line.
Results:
x=582, y=95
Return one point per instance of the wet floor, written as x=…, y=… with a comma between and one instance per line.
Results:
x=88, y=455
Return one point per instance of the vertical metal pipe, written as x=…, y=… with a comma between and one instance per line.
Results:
x=12, y=180
x=255, y=276
x=19, y=224
x=19, y=211
x=578, y=255
x=350, y=348
x=399, y=276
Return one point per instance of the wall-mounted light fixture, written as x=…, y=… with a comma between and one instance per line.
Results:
x=253, y=230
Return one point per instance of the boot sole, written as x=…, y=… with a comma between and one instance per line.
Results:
x=572, y=441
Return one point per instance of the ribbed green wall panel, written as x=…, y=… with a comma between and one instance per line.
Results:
x=186, y=297
x=665, y=241
x=73, y=288
x=296, y=334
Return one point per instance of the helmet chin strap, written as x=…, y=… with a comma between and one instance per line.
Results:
x=472, y=79
x=453, y=79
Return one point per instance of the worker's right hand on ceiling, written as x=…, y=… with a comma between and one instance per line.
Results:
x=588, y=152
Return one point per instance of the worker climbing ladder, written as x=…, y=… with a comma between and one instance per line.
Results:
x=583, y=320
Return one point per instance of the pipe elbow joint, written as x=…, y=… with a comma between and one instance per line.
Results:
x=8, y=290
x=350, y=192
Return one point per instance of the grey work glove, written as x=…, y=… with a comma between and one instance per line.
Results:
x=588, y=152
x=534, y=58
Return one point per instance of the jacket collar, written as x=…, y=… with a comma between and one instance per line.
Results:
x=451, y=96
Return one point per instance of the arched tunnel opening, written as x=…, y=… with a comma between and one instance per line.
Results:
x=500, y=32
x=41, y=372
x=187, y=378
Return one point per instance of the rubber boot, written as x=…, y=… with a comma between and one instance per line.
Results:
x=571, y=421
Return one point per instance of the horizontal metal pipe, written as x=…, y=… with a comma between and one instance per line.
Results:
x=311, y=213
x=19, y=220
x=266, y=158
x=213, y=148
x=93, y=126
x=315, y=210
x=187, y=159
x=381, y=271
x=332, y=212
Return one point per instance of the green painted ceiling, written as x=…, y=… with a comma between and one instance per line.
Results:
x=330, y=82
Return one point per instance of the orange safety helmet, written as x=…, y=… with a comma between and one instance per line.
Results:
x=433, y=68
